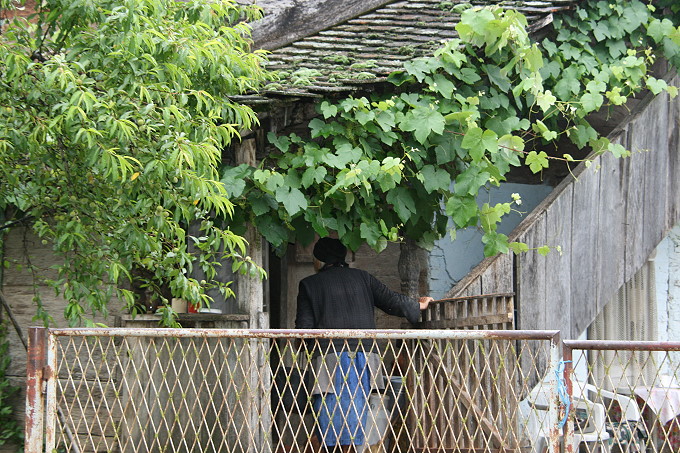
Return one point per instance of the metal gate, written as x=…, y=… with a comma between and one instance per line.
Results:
x=234, y=391
x=625, y=395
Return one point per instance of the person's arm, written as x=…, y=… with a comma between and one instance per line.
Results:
x=397, y=304
x=304, y=318
x=424, y=302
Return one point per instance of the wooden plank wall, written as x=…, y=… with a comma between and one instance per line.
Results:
x=607, y=220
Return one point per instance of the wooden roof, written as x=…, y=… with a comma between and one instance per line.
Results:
x=365, y=49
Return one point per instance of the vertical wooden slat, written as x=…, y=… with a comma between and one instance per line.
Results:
x=635, y=169
x=584, y=249
x=558, y=264
x=613, y=186
x=673, y=134
x=656, y=176
x=530, y=289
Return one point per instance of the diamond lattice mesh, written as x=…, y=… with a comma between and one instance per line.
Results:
x=263, y=394
x=627, y=399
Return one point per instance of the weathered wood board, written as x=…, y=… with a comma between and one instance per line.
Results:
x=609, y=276
x=558, y=224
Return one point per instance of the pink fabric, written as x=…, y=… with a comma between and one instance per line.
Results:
x=663, y=399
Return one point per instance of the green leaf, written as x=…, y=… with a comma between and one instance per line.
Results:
x=424, y=121
x=318, y=128
x=582, y=134
x=511, y=143
x=385, y=120
x=655, y=85
x=262, y=204
x=618, y=150
x=460, y=116
x=434, y=178
x=370, y=232
x=533, y=58
x=498, y=78
x=442, y=85
x=518, y=247
x=542, y=129
x=234, y=179
x=272, y=180
x=282, y=142
x=469, y=76
x=495, y=243
x=490, y=216
x=478, y=141
x=462, y=210
x=591, y=102
x=292, y=199
x=313, y=175
x=469, y=182
x=601, y=31
x=402, y=201
x=568, y=85
x=599, y=145
x=328, y=110
x=615, y=97
x=399, y=78
x=537, y=161
x=473, y=138
x=420, y=67
x=274, y=232
x=364, y=117
x=596, y=86
x=545, y=100
x=660, y=29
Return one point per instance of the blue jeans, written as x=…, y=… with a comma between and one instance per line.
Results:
x=342, y=415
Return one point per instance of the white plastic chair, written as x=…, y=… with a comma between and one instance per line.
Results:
x=592, y=432
x=629, y=408
x=630, y=416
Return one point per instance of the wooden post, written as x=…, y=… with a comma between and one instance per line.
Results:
x=250, y=299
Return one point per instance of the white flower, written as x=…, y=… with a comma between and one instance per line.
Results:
x=516, y=198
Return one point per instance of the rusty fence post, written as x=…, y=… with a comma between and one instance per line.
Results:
x=35, y=398
x=568, y=357
x=554, y=404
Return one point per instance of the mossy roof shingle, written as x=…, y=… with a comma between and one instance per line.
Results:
x=365, y=49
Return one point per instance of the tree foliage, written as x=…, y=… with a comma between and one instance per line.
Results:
x=404, y=162
x=113, y=117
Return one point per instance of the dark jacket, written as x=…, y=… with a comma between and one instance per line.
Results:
x=344, y=298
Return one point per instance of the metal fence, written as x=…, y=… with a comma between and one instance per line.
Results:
x=191, y=390
x=625, y=395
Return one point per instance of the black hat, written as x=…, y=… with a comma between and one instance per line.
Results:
x=330, y=251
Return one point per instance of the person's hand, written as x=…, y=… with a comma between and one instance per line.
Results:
x=424, y=302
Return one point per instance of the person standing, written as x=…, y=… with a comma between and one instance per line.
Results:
x=340, y=297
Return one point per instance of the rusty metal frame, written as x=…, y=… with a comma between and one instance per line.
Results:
x=35, y=397
x=615, y=345
x=552, y=335
x=568, y=430
x=568, y=346
x=43, y=410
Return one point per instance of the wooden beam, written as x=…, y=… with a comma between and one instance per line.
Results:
x=305, y=19
x=472, y=321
